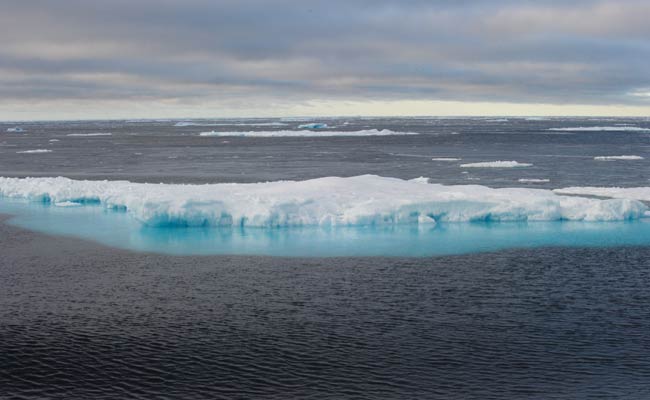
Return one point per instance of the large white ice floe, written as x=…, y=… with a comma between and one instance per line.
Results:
x=308, y=133
x=496, y=164
x=601, y=129
x=330, y=201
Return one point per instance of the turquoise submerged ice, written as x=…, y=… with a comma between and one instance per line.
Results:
x=363, y=215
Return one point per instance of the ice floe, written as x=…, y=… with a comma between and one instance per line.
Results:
x=601, y=128
x=330, y=201
x=308, y=133
x=36, y=151
x=496, y=164
x=89, y=134
x=182, y=124
x=618, y=158
x=533, y=180
x=315, y=125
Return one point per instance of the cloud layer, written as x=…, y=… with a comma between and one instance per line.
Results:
x=238, y=53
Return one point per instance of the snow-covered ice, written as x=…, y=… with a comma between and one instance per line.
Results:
x=314, y=125
x=36, y=151
x=533, y=180
x=601, y=128
x=496, y=164
x=89, y=134
x=330, y=201
x=445, y=159
x=636, y=193
x=182, y=124
x=307, y=133
x=618, y=158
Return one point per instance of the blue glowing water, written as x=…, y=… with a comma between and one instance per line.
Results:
x=118, y=229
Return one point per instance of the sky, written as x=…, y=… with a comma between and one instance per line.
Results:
x=92, y=59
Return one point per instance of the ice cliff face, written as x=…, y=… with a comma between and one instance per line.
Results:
x=330, y=201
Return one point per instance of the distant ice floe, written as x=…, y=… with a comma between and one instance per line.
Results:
x=533, y=180
x=315, y=125
x=366, y=200
x=17, y=129
x=54, y=140
x=618, y=158
x=307, y=133
x=601, y=128
x=445, y=159
x=36, y=151
x=635, y=193
x=181, y=124
x=89, y=134
x=496, y=164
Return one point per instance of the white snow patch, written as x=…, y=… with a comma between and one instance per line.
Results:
x=634, y=193
x=307, y=133
x=615, y=158
x=601, y=128
x=313, y=125
x=181, y=124
x=37, y=151
x=89, y=134
x=496, y=164
x=330, y=201
x=533, y=180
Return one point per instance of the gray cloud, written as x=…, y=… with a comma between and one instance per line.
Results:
x=588, y=52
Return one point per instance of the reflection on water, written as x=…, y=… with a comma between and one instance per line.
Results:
x=119, y=229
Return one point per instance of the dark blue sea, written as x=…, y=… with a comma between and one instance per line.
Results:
x=506, y=312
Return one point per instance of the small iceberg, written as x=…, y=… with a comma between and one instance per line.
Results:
x=315, y=125
x=533, y=180
x=306, y=133
x=16, y=129
x=448, y=159
x=618, y=158
x=36, y=151
x=601, y=129
x=89, y=134
x=496, y=164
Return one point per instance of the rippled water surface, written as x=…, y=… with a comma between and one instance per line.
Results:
x=79, y=321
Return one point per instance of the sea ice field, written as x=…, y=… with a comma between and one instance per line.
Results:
x=331, y=187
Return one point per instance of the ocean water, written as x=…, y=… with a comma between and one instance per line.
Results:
x=466, y=310
x=159, y=151
x=79, y=321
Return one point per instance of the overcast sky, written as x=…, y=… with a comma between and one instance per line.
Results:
x=219, y=58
